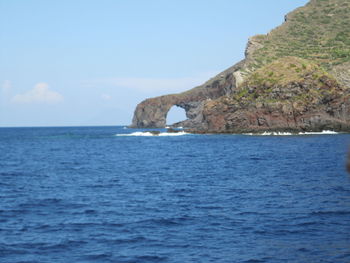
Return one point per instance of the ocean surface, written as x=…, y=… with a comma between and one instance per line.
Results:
x=92, y=194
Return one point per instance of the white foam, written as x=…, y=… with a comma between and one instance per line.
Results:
x=155, y=135
x=269, y=134
x=136, y=134
x=276, y=133
x=173, y=133
x=289, y=133
x=315, y=133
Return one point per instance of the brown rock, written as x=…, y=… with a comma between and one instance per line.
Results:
x=155, y=132
x=171, y=130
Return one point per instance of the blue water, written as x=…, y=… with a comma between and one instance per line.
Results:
x=86, y=195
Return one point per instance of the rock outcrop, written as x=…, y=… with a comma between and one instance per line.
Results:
x=295, y=78
x=290, y=94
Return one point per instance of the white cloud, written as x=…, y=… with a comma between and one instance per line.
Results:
x=41, y=93
x=105, y=96
x=166, y=85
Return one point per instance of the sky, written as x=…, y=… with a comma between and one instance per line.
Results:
x=90, y=62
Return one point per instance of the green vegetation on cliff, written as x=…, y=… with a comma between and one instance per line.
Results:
x=319, y=31
x=288, y=78
x=284, y=71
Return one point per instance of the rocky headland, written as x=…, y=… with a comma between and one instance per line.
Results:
x=295, y=78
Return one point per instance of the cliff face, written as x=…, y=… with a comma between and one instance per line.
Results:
x=297, y=77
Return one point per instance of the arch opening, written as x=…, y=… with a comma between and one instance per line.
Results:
x=175, y=115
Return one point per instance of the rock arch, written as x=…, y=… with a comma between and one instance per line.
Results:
x=151, y=113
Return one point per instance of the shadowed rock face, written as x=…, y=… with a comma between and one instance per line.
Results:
x=278, y=116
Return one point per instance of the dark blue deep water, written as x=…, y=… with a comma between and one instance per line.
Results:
x=86, y=195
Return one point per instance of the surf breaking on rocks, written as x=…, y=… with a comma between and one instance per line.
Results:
x=181, y=133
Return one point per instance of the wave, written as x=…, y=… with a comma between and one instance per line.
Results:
x=155, y=135
x=266, y=133
x=322, y=132
x=326, y=132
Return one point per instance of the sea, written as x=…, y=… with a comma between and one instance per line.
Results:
x=113, y=194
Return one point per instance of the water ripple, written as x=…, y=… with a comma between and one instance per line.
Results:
x=85, y=195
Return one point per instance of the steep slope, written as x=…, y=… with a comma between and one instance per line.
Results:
x=314, y=43
x=319, y=31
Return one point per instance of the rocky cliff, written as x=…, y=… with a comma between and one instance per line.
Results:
x=289, y=94
x=297, y=77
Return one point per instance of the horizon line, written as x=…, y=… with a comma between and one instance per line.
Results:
x=64, y=126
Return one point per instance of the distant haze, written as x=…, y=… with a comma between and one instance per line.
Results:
x=71, y=63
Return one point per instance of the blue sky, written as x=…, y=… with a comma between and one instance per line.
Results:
x=89, y=62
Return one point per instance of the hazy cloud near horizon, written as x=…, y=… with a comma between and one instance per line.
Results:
x=41, y=93
x=151, y=85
